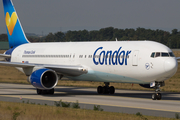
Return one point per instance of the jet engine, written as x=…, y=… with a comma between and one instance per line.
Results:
x=44, y=79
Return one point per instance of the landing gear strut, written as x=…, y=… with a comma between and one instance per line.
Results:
x=157, y=95
x=105, y=89
x=43, y=92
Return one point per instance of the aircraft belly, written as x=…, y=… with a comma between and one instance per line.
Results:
x=106, y=77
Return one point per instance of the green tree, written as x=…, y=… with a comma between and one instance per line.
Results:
x=50, y=38
x=59, y=37
x=3, y=37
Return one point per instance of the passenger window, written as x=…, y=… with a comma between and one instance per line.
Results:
x=152, y=55
x=164, y=54
x=171, y=54
x=157, y=54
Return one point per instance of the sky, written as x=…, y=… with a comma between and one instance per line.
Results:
x=45, y=16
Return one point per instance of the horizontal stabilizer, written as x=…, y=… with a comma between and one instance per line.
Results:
x=4, y=56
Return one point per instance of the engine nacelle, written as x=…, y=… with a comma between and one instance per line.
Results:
x=43, y=79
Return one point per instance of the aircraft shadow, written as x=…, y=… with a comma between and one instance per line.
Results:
x=73, y=91
x=77, y=91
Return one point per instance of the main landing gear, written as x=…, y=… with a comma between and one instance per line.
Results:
x=157, y=95
x=44, y=92
x=105, y=89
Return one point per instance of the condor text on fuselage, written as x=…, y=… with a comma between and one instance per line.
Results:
x=107, y=57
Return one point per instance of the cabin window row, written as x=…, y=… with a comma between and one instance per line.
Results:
x=48, y=56
x=85, y=56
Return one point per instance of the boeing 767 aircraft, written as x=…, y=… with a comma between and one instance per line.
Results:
x=146, y=63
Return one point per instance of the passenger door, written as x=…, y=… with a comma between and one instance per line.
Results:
x=135, y=58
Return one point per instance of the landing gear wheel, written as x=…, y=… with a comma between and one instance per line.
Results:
x=100, y=89
x=44, y=92
x=51, y=91
x=154, y=97
x=39, y=92
x=105, y=90
x=159, y=96
x=111, y=90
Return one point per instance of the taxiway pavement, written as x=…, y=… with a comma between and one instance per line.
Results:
x=123, y=101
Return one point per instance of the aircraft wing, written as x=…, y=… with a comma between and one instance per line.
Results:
x=178, y=59
x=69, y=70
x=4, y=56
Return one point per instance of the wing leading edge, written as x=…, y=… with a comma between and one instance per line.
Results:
x=67, y=70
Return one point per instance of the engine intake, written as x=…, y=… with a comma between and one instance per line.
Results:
x=44, y=79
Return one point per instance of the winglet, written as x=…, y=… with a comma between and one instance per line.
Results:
x=15, y=32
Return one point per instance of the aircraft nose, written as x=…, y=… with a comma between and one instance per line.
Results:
x=170, y=65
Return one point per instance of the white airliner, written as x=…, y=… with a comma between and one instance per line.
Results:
x=141, y=62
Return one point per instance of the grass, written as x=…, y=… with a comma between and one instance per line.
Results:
x=12, y=75
x=23, y=111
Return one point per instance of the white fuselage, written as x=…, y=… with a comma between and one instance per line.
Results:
x=121, y=61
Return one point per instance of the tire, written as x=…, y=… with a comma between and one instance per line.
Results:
x=111, y=90
x=51, y=92
x=105, y=90
x=39, y=92
x=44, y=92
x=159, y=96
x=99, y=89
x=154, y=96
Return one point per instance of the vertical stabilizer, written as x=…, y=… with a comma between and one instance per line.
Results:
x=15, y=32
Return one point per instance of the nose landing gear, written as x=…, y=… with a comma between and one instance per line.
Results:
x=157, y=95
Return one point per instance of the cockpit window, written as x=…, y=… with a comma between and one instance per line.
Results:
x=157, y=54
x=171, y=54
x=152, y=55
x=163, y=54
